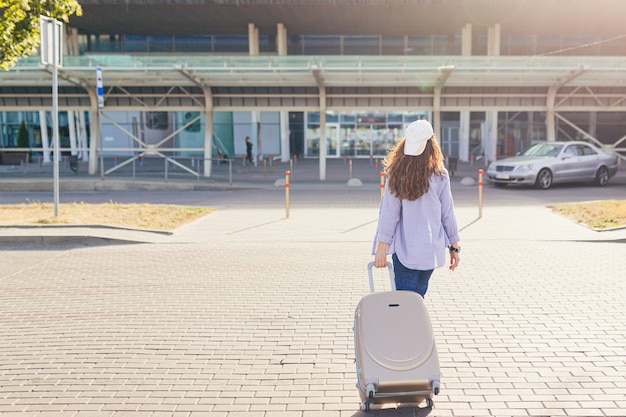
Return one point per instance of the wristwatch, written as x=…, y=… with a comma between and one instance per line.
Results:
x=456, y=249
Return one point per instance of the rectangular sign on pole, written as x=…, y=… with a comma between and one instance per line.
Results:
x=100, y=87
x=51, y=41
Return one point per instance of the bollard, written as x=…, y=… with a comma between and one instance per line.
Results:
x=472, y=159
x=193, y=161
x=230, y=172
x=480, y=193
x=39, y=160
x=65, y=162
x=115, y=160
x=141, y=161
x=287, y=173
x=271, y=159
x=345, y=158
x=371, y=159
x=382, y=184
x=291, y=165
x=376, y=164
x=295, y=158
x=350, y=169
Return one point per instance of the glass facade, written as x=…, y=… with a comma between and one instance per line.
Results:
x=10, y=124
x=350, y=134
x=518, y=45
x=296, y=44
x=357, y=135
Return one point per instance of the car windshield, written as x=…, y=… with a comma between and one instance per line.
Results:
x=543, y=149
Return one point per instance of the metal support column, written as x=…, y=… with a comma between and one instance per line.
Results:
x=208, y=131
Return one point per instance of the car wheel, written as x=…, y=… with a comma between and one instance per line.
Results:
x=602, y=177
x=544, y=179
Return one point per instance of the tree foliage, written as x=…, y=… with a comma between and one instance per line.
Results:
x=19, y=25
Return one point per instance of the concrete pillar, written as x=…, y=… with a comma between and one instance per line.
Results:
x=550, y=116
x=464, y=135
x=550, y=125
x=493, y=40
x=281, y=39
x=322, y=141
x=281, y=44
x=258, y=127
x=71, y=41
x=82, y=135
x=45, y=140
x=490, y=142
x=285, y=150
x=593, y=123
x=437, y=114
x=208, y=131
x=466, y=40
x=94, y=143
x=253, y=39
x=71, y=124
x=323, y=146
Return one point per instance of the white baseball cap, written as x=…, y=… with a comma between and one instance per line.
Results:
x=417, y=135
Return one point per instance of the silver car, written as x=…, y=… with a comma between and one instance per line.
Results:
x=548, y=163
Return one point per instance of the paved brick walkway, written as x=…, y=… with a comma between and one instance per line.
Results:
x=247, y=313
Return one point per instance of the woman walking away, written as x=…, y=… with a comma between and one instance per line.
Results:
x=416, y=221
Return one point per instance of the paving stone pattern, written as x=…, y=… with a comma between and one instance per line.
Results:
x=247, y=313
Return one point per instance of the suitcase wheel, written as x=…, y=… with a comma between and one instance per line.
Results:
x=429, y=402
x=365, y=406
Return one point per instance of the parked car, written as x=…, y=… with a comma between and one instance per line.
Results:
x=547, y=163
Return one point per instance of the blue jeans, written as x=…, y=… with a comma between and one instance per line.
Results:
x=410, y=279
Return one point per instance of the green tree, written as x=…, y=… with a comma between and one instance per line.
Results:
x=22, y=136
x=23, y=141
x=19, y=25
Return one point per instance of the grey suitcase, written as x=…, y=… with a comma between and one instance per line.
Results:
x=396, y=356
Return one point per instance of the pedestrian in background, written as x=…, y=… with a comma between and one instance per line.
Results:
x=249, y=149
x=416, y=218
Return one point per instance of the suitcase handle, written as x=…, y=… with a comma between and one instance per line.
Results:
x=371, y=276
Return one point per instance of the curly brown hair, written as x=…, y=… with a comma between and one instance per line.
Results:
x=409, y=175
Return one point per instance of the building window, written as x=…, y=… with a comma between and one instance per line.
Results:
x=135, y=43
x=160, y=44
x=199, y=43
x=231, y=44
x=321, y=45
x=361, y=45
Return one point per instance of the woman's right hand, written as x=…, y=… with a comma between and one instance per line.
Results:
x=380, y=257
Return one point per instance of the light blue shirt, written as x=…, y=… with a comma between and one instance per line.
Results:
x=419, y=231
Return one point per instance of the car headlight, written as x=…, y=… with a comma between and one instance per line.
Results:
x=524, y=168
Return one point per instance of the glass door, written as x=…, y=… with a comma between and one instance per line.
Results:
x=332, y=139
x=450, y=140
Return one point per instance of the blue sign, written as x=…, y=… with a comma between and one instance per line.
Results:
x=99, y=87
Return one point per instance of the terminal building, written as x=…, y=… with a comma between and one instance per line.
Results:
x=190, y=79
